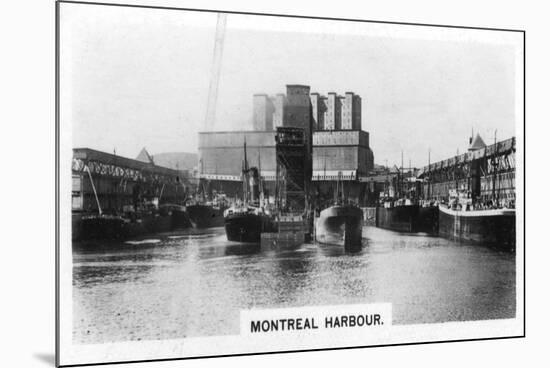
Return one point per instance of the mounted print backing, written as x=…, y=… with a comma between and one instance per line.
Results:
x=233, y=183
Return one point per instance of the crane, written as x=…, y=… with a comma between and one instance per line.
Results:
x=215, y=72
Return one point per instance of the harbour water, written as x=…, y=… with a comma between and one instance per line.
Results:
x=195, y=283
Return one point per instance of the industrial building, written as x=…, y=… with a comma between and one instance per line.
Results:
x=335, y=142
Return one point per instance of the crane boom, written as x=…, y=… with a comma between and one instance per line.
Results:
x=215, y=72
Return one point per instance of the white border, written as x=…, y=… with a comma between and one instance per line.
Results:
x=78, y=354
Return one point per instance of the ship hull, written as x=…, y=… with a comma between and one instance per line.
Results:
x=180, y=219
x=148, y=224
x=246, y=227
x=96, y=227
x=398, y=218
x=428, y=220
x=496, y=228
x=340, y=225
x=412, y=219
x=110, y=227
x=205, y=216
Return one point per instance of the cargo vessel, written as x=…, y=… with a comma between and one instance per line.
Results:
x=405, y=211
x=246, y=224
x=100, y=226
x=205, y=215
x=495, y=227
x=407, y=216
x=400, y=215
x=483, y=215
x=340, y=224
x=245, y=221
x=107, y=226
x=463, y=221
x=130, y=221
x=178, y=214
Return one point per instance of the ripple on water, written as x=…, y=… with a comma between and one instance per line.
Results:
x=196, y=284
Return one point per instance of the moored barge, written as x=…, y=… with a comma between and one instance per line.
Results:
x=495, y=227
x=406, y=216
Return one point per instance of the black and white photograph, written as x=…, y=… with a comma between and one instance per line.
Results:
x=235, y=183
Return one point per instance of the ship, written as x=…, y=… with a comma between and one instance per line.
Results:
x=406, y=215
x=475, y=217
x=246, y=224
x=178, y=213
x=399, y=215
x=245, y=221
x=340, y=223
x=428, y=218
x=101, y=226
x=140, y=218
x=407, y=212
x=205, y=215
x=461, y=220
x=206, y=211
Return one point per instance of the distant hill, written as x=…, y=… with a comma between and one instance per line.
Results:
x=177, y=160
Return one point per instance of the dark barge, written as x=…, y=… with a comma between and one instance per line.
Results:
x=494, y=227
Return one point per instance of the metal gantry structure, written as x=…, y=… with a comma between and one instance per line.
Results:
x=292, y=185
x=115, y=181
x=487, y=173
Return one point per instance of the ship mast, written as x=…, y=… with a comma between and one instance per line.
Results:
x=456, y=173
x=343, y=195
x=324, y=173
x=245, y=176
x=337, y=189
x=494, y=163
x=260, y=185
x=409, y=178
x=277, y=182
x=401, y=174
x=429, y=174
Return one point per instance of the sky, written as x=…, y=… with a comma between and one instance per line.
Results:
x=133, y=78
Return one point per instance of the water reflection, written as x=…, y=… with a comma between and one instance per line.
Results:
x=195, y=284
